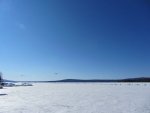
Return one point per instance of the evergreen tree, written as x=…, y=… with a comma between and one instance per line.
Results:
x=1, y=80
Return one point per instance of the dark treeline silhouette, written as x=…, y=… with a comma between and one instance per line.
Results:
x=141, y=79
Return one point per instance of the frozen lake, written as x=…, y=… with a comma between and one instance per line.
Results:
x=76, y=98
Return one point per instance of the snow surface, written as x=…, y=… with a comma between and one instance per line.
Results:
x=76, y=98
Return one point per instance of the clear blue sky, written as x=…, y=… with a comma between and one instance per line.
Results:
x=85, y=39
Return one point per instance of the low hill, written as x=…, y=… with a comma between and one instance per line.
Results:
x=140, y=79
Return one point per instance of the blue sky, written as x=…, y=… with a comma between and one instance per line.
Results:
x=85, y=39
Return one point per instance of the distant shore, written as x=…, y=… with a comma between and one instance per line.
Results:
x=140, y=79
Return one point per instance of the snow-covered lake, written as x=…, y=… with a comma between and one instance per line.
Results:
x=76, y=98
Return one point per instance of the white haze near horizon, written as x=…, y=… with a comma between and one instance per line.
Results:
x=76, y=98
